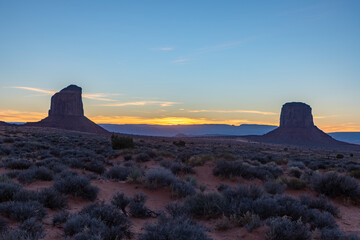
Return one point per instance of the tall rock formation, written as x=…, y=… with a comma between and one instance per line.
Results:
x=66, y=112
x=297, y=128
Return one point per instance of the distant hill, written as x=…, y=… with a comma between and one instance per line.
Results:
x=190, y=130
x=350, y=137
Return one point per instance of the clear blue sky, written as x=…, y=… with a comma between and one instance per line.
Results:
x=183, y=61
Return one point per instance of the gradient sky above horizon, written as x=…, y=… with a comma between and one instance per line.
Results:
x=183, y=62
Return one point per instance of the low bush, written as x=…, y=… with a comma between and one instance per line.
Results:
x=137, y=206
x=18, y=164
x=274, y=187
x=37, y=173
x=283, y=228
x=21, y=211
x=239, y=169
x=159, y=177
x=3, y=225
x=179, y=143
x=8, y=190
x=32, y=228
x=249, y=220
x=142, y=157
x=335, y=185
x=204, y=205
x=355, y=174
x=179, y=228
x=84, y=223
x=60, y=218
x=295, y=183
x=118, y=173
x=52, y=199
x=77, y=186
x=120, y=201
x=321, y=204
x=119, y=142
x=95, y=166
x=181, y=189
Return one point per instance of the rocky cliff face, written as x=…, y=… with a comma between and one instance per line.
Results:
x=66, y=112
x=67, y=102
x=296, y=115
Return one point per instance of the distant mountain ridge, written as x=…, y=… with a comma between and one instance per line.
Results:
x=351, y=137
x=191, y=130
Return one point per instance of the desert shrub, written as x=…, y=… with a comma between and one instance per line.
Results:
x=355, y=174
x=52, y=199
x=223, y=224
x=127, y=157
x=181, y=189
x=142, y=157
x=288, y=206
x=37, y=173
x=108, y=214
x=118, y=173
x=297, y=164
x=282, y=228
x=321, y=204
x=249, y=220
x=21, y=211
x=137, y=206
x=179, y=228
x=179, y=143
x=199, y=160
x=95, y=166
x=295, y=172
x=60, y=218
x=295, y=183
x=237, y=168
x=84, y=223
x=33, y=228
x=26, y=195
x=339, y=156
x=175, y=209
x=274, y=187
x=118, y=142
x=334, y=185
x=120, y=201
x=8, y=190
x=336, y=234
x=8, y=140
x=5, y=150
x=264, y=207
x=3, y=224
x=77, y=186
x=18, y=164
x=135, y=175
x=203, y=205
x=159, y=177
x=319, y=221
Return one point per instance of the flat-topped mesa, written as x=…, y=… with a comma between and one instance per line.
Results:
x=67, y=102
x=296, y=115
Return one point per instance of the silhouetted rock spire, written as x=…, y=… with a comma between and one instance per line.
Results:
x=296, y=115
x=67, y=102
x=66, y=112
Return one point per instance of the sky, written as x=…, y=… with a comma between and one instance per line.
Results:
x=183, y=62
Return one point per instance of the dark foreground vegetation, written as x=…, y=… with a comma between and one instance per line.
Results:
x=51, y=186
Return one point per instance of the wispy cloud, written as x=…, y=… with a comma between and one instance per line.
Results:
x=181, y=60
x=20, y=116
x=169, y=120
x=325, y=117
x=140, y=103
x=163, y=49
x=223, y=46
x=48, y=92
x=93, y=96
x=233, y=111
